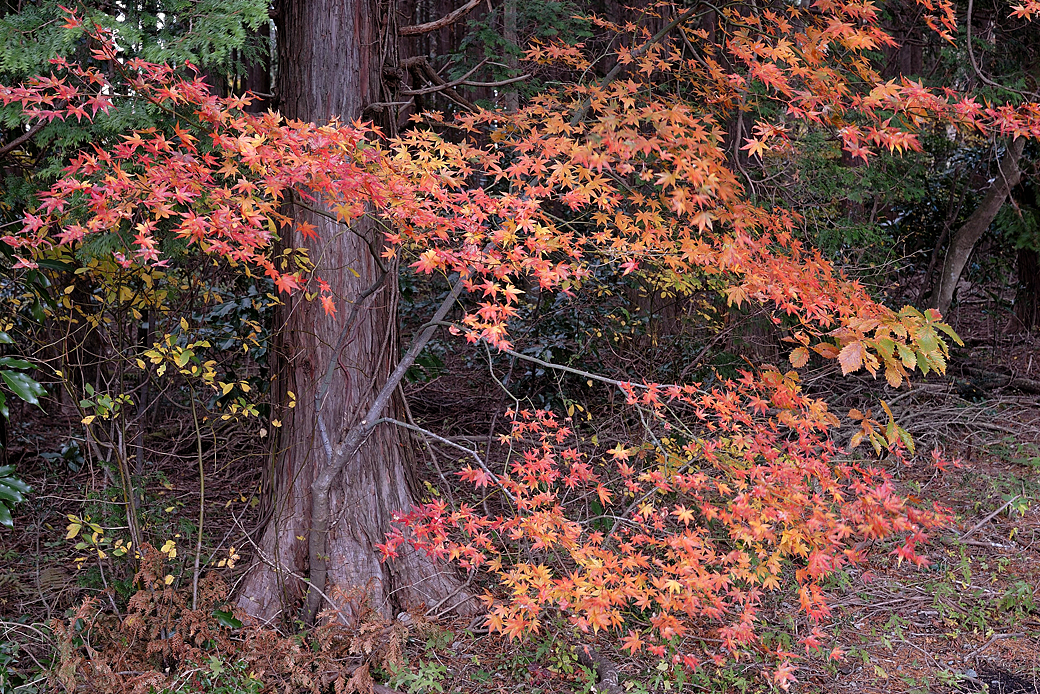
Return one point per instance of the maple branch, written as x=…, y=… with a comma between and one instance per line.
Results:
x=465, y=82
x=348, y=449
x=448, y=442
x=583, y=110
x=21, y=139
x=499, y=83
x=446, y=20
x=295, y=200
x=571, y=369
x=442, y=84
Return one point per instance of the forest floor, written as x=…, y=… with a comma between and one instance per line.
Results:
x=968, y=622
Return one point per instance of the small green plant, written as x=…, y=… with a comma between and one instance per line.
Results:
x=1018, y=600
x=950, y=678
x=438, y=639
x=1010, y=450
x=71, y=454
x=217, y=677
x=14, y=379
x=427, y=677
x=15, y=679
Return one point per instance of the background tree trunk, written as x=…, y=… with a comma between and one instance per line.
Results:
x=1027, y=296
x=511, y=94
x=331, y=60
x=964, y=239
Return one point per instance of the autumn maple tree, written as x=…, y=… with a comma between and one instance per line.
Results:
x=734, y=487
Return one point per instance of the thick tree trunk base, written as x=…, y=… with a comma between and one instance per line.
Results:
x=363, y=504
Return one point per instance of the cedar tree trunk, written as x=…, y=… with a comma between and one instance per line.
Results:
x=330, y=59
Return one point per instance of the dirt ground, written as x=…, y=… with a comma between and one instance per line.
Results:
x=968, y=622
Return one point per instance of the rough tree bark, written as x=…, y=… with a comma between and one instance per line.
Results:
x=334, y=59
x=964, y=239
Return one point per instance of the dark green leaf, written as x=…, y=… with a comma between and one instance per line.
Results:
x=12, y=363
x=15, y=483
x=56, y=265
x=23, y=386
x=226, y=619
x=5, y=516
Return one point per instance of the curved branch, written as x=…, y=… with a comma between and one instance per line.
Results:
x=422, y=66
x=446, y=20
x=465, y=83
x=448, y=442
x=439, y=82
x=21, y=139
x=560, y=367
x=975, y=64
x=963, y=241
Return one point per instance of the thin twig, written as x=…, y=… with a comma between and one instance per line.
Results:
x=988, y=518
x=993, y=639
x=449, y=596
x=202, y=506
x=445, y=85
x=448, y=442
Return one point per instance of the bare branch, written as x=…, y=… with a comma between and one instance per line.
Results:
x=560, y=367
x=499, y=83
x=439, y=81
x=974, y=63
x=446, y=20
x=21, y=139
x=422, y=66
x=448, y=442
x=466, y=83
